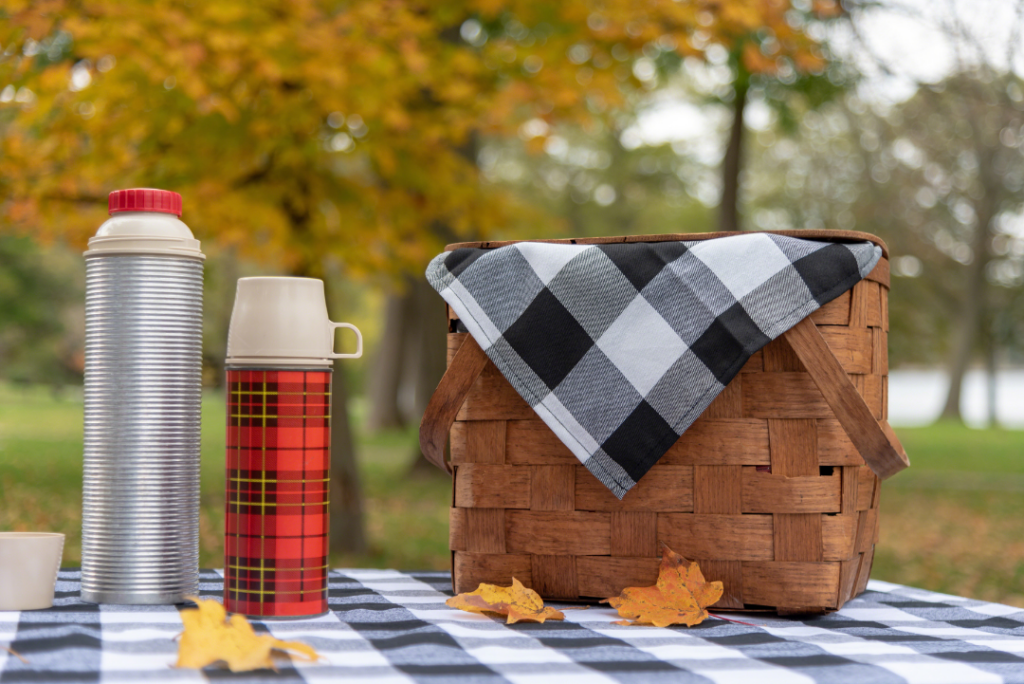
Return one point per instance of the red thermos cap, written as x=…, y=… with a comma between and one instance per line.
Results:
x=144, y=199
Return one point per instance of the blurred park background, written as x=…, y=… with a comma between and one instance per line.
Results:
x=351, y=140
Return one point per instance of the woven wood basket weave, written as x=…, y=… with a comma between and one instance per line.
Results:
x=770, y=489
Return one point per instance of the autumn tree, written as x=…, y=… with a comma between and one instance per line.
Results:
x=775, y=57
x=614, y=55
x=938, y=174
x=962, y=194
x=39, y=302
x=954, y=151
x=312, y=133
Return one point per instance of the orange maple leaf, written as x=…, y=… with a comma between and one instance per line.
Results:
x=517, y=602
x=678, y=598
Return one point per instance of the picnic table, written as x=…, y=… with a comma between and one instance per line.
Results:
x=389, y=626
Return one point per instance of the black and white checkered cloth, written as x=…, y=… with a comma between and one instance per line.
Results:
x=387, y=626
x=620, y=347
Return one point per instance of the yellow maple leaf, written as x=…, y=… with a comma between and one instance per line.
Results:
x=209, y=637
x=678, y=598
x=517, y=602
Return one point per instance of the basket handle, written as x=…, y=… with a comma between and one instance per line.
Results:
x=444, y=405
x=875, y=440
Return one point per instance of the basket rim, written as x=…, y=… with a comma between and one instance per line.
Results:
x=833, y=235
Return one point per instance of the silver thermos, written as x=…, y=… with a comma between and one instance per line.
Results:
x=143, y=391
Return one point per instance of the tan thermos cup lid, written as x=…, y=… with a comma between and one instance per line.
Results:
x=279, y=321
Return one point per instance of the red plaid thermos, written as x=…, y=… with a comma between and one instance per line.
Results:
x=280, y=347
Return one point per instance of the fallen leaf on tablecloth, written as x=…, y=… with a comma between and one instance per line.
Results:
x=15, y=654
x=516, y=601
x=679, y=597
x=209, y=637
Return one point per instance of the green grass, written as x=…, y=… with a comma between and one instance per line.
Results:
x=953, y=522
x=407, y=517
x=41, y=483
x=951, y=447
x=41, y=464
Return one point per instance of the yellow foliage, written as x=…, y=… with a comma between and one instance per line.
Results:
x=209, y=637
x=755, y=62
x=517, y=602
x=260, y=113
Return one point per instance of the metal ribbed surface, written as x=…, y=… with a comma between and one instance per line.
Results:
x=143, y=374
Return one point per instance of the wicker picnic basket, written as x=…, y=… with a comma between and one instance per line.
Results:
x=774, y=489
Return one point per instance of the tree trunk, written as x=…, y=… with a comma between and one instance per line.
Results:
x=348, y=529
x=963, y=344
x=991, y=350
x=427, y=355
x=728, y=214
x=219, y=300
x=383, y=384
x=972, y=308
x=433, y=343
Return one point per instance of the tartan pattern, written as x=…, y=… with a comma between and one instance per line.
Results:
x=618, y=348
x=278, y=470
x=390, y=627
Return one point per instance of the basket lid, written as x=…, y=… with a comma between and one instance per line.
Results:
x=832, y=235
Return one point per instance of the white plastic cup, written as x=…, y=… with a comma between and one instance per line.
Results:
x=280, y=322
x=29, y=562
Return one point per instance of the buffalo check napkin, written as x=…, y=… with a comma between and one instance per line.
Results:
x=620, y=347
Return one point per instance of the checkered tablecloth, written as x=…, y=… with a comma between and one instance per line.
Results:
x=390, y=626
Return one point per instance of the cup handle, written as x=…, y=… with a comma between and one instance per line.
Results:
x=359, y=337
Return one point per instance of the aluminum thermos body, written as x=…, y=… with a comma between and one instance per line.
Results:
x=143, y=386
